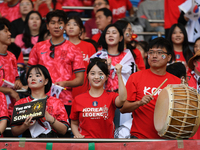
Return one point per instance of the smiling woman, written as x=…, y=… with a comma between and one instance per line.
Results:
x=112, y=42
x=179, y=39
x=93, y=111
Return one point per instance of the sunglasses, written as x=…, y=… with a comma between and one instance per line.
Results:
x=52, y=48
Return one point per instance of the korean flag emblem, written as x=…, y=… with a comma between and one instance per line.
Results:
x=95, y=103
x=177, y=56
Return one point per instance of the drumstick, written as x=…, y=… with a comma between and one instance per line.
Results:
x=159, y=87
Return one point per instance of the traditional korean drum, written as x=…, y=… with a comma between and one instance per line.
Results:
x=177, y=113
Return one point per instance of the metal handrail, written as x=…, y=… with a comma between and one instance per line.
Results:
x=150, y=20
x=78, y=7
x=91, y=8
x=9, y=129
x=85, y=19
x=72, y=140
x=156, y=21
x=150, y=33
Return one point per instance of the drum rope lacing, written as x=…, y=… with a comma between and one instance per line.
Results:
x=183, y=137
x=186, y=114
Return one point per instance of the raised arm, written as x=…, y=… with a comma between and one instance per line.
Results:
x=121, y=89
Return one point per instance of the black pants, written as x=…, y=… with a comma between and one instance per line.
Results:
x=68, y=110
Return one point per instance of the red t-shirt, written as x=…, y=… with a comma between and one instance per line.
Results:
x=72, y=3
x=3, y=107
x=67, y=59
x=91, y=28
x=119, y=8
x=8, y=68
x=43, y=9
x=95, y=114
x=145, y=83
x=96, y=37
x=54, y=107
x=180, y=58
x=172, y=12
x=11, y=13
x=20, y=59
x=112, y=83
x=8, y=71
x=139, y=60
x=87, y=50
x=192, y=82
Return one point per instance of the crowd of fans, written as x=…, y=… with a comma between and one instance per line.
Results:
x=106, y=73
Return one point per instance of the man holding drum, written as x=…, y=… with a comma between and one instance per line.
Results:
x=141, y=89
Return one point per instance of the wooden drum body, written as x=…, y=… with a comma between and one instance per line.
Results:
x=177, y=112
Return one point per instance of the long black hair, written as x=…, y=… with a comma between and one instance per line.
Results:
x=122, y=24
x=186, y=51
x=102, y=40
x=27, y=33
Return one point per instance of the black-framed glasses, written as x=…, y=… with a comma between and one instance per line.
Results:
x=52, y=48
x=159, y=52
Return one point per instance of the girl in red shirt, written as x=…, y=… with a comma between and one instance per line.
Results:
x=74, y=30
x=92, y=112
x=125, y=26
x=112, y=42
x=179, y=39
x=39, y=83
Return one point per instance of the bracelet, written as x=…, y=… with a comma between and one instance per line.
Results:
x=53, y=121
